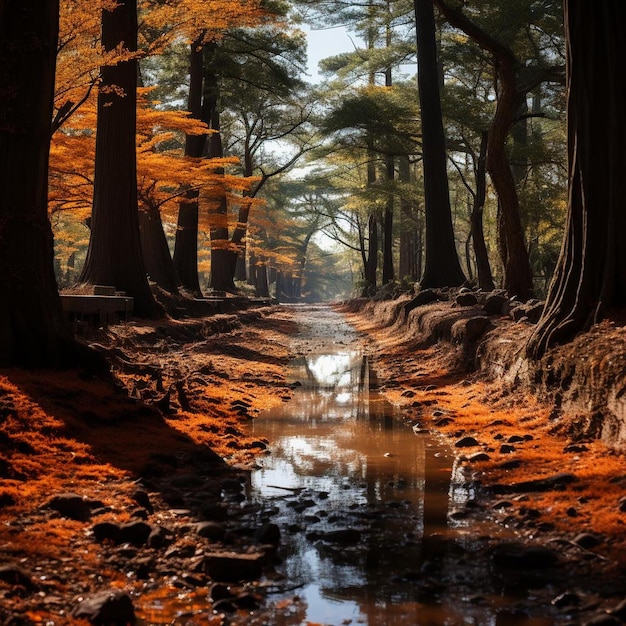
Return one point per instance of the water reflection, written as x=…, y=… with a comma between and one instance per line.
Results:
x=363, y=505
x=349, y=464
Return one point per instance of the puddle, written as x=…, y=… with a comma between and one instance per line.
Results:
x=364, y=506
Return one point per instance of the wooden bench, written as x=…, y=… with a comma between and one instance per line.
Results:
x=97, y=309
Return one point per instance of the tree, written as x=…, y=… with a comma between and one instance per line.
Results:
x=515, y=80
x=32, y=327
x=590, y=278
x=442, y=267
x=114, y=256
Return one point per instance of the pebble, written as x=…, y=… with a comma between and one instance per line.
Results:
x=466, y=442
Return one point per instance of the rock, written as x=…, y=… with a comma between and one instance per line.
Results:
x=343, y=535
x=135, y=533
x=514, y=556
x=494, y=303
x=268, y=533
x=16, y=576
x=515, y=439
x=233, y=567
x=143, y=499
x=257, y=445
x=478, y=457
x=423, y=297
x=219, y=591
x=106, y=531
x=72, y=505
x=466, y=442
x=408, y=393
x=213, y=512
x=587, y=540
x=505, y=448
x=107, y=608
x=160, y=537
x=470, y=329
x=533, y=312
x=211, y=530
x=466, y=299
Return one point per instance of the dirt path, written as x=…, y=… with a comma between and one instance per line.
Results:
x=129, y=496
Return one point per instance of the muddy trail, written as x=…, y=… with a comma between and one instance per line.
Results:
x=286, y=466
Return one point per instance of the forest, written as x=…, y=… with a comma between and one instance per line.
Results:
x=181, y=197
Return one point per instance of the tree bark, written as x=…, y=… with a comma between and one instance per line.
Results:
x=114, y=256
x=408, y=266
x=485, y=279
x=442, y=266
x=186, y=243
x=156, y=252
x=33, y=332
x=388, y=271
x=591, y=273
x=372, y=256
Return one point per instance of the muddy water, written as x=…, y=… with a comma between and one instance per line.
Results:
x=367, y=507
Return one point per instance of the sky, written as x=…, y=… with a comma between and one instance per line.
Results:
x=325, y=43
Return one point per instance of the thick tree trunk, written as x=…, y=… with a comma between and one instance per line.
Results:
x=442, y=266
x=485, y=279
x=262, y=280
x=114, y=256
x=33, y=332
x=223, y=264
x=591, y=273
x=186, y=243
x=156, y=252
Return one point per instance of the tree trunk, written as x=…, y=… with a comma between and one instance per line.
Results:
x=518, y=278
x=223, y=264
x=388, y=271
x=591, y=273
x=156, y=252
x=114, y=256
x=408, y=227
x=372, y=256
x=442, y=266
x=186, y=242
x=485, y=279
x=33, y=332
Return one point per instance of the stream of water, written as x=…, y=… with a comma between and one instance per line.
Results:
x=364, y=504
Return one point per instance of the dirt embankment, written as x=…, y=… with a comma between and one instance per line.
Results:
x=540, y=441
x=584, y=381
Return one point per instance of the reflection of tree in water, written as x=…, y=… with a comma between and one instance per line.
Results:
x=339, y=435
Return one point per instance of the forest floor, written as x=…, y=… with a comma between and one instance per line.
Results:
x=134, y=487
